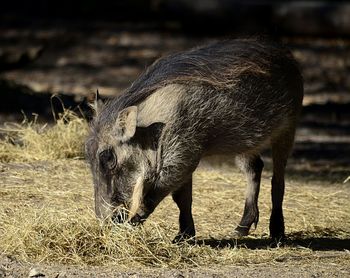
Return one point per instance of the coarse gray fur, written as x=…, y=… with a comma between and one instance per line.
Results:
x=233, y=97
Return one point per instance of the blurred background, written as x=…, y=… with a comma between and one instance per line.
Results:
x=71, y=48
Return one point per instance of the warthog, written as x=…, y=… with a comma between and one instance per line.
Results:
x=232, y=97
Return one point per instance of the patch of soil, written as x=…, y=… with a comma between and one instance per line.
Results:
x=9, y=267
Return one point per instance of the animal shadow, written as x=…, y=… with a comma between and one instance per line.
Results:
x=318, y=242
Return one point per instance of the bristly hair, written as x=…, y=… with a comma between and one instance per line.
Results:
x=218, y=64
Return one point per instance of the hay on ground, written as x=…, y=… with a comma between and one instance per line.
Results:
x=46, y=212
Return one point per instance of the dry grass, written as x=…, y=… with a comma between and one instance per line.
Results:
x=46, y=213
x=30, y=141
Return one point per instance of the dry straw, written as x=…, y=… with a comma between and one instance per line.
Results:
x=46, y=212
x=30, y=141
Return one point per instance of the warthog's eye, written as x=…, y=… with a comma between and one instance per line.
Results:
x=108, y=159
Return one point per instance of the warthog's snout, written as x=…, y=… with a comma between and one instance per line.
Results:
x=137, y=219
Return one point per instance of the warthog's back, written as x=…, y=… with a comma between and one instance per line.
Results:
x=220, y=65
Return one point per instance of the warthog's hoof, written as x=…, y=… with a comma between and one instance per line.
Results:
x=184, y=237
x=241, y=231
x=278, y=242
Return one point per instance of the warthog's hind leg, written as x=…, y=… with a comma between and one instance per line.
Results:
x=252, y=167
x=281, y=147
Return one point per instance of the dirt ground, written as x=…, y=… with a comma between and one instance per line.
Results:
x=316, y=214
x=9, y=267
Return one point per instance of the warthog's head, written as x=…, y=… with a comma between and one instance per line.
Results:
x=123, y=160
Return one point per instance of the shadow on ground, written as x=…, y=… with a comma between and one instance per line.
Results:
x=294, y=240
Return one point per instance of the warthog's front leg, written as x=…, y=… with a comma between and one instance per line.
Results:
x=179, y=160
x=183, y=199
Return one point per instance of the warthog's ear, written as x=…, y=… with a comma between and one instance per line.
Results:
x=125, y=126
x=95, y=102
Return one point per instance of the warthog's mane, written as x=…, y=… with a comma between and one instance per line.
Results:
x=218, y=64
